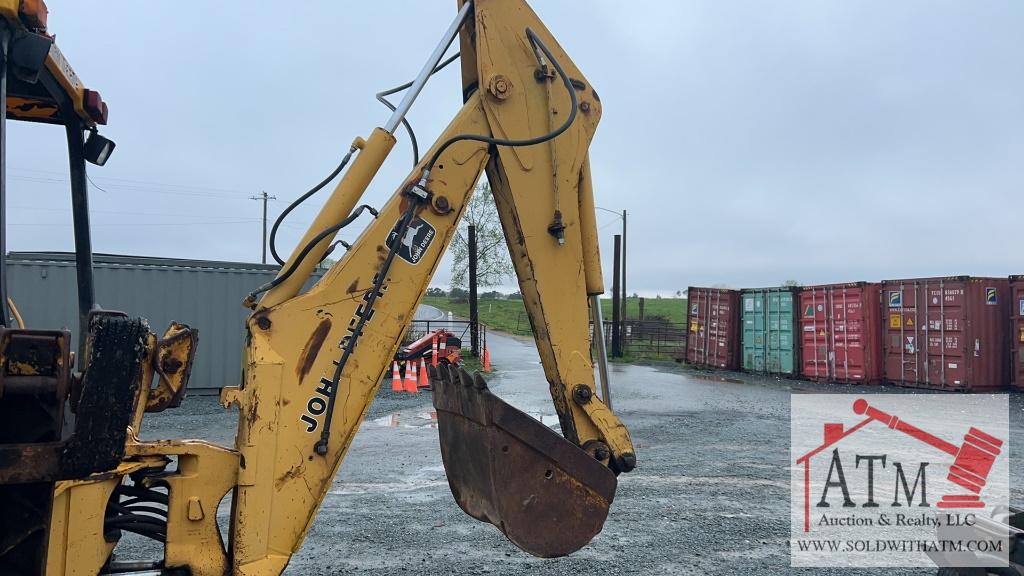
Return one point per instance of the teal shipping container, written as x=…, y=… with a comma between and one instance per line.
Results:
x=769, y=330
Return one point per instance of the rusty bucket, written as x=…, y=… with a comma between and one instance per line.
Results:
x=543, y=492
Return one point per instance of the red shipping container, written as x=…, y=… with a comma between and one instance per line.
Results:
x=713, y=340
x=946, y=333
x=840, y=337
x=1017, y=330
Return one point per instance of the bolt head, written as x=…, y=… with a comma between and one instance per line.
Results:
x=441, y=204
x=582, y=394
x=499, y=86
x=263, y=323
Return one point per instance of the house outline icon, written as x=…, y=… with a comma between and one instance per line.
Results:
x=834, y=432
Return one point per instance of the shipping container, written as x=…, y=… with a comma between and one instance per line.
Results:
x=769, y=326
x=946, y=333
x=1017, y=330
x=714, y=328
x=206, y=295
x=840, y=337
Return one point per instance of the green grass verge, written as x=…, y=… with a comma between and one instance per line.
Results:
x=509, y=316
x=504, y=315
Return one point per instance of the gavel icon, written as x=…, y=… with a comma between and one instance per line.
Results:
x=972, y=461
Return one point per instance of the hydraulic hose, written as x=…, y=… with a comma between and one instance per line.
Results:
x=300, y=200
x=408, y=127
x=329, y=231
x=536, y=42
x=321, y=445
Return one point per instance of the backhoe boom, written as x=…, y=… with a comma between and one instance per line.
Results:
x=314, y=360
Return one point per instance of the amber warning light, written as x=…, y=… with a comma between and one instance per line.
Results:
x=95, y=107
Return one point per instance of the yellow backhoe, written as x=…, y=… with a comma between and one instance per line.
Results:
x=314, y=360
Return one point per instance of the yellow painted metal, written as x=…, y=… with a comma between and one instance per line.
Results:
x=76, y=545
x=56, y=63
x=15, y=313
x=294, y=339
x=61, y=69
x=340, y=204
x=551, y=277
x=172, y=360
x=145, y=388
x=9, y=12
x=588, y=233
x=290, y=358
x=293, y=345
x=204, y=474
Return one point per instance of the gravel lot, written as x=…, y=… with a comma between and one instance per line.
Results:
x=709, y=496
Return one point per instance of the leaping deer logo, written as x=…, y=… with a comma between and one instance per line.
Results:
x=410, y=236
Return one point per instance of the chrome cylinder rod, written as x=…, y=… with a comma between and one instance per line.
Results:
x=428, y=68
x=602, y=351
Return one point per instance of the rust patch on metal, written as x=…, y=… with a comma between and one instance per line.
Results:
x=293, y=473
x=175, y=353
x=548, y=496
x=353, y=287
x=252, y=416
x=312, y=348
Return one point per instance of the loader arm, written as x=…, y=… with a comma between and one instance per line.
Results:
x=314, y=361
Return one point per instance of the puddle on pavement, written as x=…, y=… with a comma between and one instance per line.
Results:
x=429, y=419
x=403, y=420
x=426, y=477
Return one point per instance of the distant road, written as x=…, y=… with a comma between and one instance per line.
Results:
x=429, y=313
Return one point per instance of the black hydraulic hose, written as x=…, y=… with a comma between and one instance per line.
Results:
x=144, y=494
x=344, y=161
x=148, y=526
x=329, y=231
x=537, y=43
x=408, y=127
x=300, y=200
x=159, y=513
x=403, y=225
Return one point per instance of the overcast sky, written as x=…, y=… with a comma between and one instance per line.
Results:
x=751, y=142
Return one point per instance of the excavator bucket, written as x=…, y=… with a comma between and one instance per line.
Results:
x=543, y=492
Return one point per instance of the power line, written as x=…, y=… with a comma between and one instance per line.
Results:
x=137, y=224
x=110, y=179
x=125, y=185
x=263, y=196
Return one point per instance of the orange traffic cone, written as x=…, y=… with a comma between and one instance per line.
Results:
x=396, y=378
x=487, y=359
x=424, y=378
x=410, y=376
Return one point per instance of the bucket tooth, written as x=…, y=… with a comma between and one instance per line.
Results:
x=543, y=492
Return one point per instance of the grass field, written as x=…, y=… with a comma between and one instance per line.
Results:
x=510, y=315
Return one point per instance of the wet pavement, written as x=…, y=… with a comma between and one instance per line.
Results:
x=710, y=493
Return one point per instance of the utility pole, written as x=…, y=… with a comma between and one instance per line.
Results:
x=263, y=196
x=625, y=294
x=474, y=314
x=616, y=301
x=621, y=276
